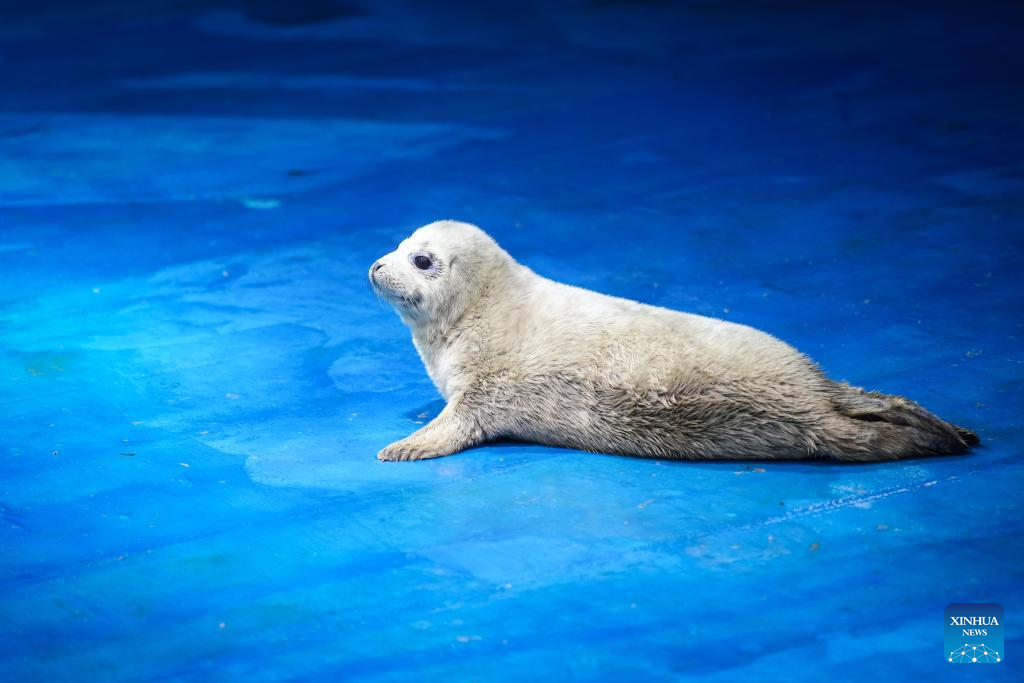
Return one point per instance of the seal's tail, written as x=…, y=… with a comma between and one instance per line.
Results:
x=885, y=427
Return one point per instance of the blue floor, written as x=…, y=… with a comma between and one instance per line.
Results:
x=195, y=378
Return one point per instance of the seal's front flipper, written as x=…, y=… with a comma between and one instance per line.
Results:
x=415, y=447
x=450, y=432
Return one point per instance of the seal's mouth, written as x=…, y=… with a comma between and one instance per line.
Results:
x=400, y=299
x=382, y=288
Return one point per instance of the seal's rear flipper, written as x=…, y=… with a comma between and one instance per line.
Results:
x=970, y=438
x=904, y=428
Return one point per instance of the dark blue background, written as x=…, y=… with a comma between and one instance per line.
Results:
x=194, y=377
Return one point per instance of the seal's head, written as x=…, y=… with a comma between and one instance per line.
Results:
x=437, y=271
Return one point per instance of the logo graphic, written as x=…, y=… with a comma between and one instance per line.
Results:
x=974, y=633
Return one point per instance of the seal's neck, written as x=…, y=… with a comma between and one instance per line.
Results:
x=442, y=341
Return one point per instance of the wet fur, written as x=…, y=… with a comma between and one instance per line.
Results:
x=523, y=357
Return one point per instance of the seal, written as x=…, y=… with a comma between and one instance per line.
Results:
x=519, y=356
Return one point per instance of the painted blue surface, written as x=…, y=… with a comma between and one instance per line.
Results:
x=196, y=379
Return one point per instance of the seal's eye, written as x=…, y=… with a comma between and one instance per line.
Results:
x=422, y=261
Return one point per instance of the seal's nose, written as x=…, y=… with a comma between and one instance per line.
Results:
x=377, y=265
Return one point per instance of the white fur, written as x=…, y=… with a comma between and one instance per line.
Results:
x=520, y=356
